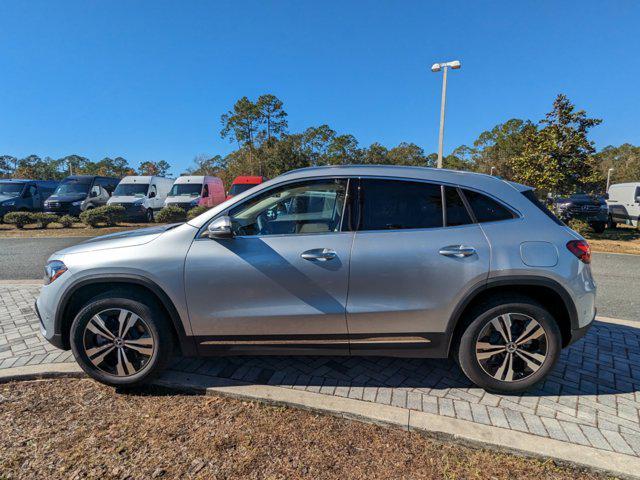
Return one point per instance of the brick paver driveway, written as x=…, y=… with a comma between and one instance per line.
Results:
x=592, y=398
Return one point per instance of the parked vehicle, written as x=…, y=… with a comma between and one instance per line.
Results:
x=193, y=190
x=436, y=263
x=141, y=196
x=624, y=204
x=24, y=195
x=78, y=193
x=590, y=208
x=244, y=183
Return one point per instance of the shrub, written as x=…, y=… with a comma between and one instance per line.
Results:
x=195, y=211
x=171, y=214
x=108, y=215
x=580, y=226
x=44, y=219
x=67, y=221
x=19, y=219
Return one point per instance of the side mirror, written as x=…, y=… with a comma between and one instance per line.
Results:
x=152, y=195
x=638, y=199
x=606, y=196
x=220, y=228
x=93, y=194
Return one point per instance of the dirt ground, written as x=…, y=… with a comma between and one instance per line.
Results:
x=72, y=429
x=56, y=230
x=624, y=239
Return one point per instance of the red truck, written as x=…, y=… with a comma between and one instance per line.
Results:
x=244, y=183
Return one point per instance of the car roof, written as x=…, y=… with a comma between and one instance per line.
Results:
x=456, y=177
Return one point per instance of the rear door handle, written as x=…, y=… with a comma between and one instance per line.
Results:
x=457, y=251
x=319, y=254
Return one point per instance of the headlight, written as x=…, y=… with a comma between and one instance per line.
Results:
x=8, y=203
x=53, y=270
x=77, y=204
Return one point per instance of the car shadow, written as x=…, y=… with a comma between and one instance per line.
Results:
x=605, y=362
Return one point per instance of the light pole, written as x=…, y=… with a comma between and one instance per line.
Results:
x=436, y=67
x=608, y=179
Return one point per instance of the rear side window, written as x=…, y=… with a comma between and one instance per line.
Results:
x=486, y=209
x=456, y=212
x=529, y=195
x=397, y=205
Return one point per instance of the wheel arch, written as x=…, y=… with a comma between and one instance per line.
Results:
x=548, y=292
x=75, y=297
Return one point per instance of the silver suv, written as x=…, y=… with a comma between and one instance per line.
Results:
x=349, y=260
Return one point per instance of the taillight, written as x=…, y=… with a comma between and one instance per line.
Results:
x=581, y=249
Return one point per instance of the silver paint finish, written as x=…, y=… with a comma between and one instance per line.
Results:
x=384, y=282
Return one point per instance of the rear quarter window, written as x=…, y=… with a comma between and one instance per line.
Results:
x=531, y=196
x=486, y=209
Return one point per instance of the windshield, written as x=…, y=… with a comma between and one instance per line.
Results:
x=72, y=186
x=131, y=190
x=238, y=188
x=191, y=189
x=11, y=189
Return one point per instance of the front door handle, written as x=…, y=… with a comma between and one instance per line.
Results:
x=457, y=251
x=319, y=254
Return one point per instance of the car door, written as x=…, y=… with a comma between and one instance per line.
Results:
x=281, y=281
x=411, y=264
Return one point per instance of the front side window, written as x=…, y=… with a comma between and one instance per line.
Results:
x=297, y=208
x=398, y=204
x=486, y=209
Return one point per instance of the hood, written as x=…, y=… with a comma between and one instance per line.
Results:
x=182, y=199
x=582, y=200
x=125, y=199
x=131, y=238
x=4, y=198
x=68, y=197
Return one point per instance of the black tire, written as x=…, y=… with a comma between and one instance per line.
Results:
x=598, y=227
x=154, y=324
x=481, y=317
x=150, y=215
x=611, y=224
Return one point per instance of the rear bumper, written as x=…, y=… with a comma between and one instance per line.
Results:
x=578, y=333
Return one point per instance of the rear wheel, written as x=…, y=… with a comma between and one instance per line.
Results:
x=121, y=340
x=611, y=223
x=509, y=345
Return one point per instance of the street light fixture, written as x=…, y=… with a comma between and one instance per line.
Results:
x=608, y=178
x=436, y=67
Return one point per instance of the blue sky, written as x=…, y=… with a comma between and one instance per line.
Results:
x=148, y=80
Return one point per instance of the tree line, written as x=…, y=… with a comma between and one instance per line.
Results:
x=48, y=168
x=553, y=154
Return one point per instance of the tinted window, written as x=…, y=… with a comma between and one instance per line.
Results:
x=72, y=186
x=395, y=204
x=485, y=209
x=296, y=208
x=529, y=195
x=190, y=189
x=456, y=211
x=11, y=189
x=131, y=190
x=238, y=188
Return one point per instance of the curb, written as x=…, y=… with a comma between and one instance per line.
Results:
x=430, y=425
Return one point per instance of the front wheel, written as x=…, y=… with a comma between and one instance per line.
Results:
x=121, y=340
x=149, y=215
x=598, y=227
x=510, y=345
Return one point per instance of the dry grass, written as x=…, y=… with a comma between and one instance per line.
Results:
x=79, y=429
x=56, y=230
x=624, y=239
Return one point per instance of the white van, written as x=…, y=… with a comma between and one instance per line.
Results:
x=624, y=204
x=141, y=196
x=191, y=191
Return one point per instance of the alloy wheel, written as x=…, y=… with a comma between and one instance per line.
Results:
x=511, y=347
x=118, y=342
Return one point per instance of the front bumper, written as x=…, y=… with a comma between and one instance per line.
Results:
x=63, y=209
x=54, y=339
